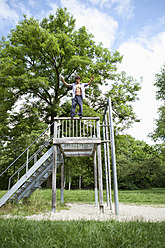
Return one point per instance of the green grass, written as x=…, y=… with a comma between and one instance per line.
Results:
x=147, y=196
x=18, y=233
x=40, y=201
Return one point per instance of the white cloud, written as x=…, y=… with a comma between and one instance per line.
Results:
x=7, y=14
x=102, y=3
x=11, y=12
x=144, y=58
x=53, y=5
x=101, y=25
x=123, y=8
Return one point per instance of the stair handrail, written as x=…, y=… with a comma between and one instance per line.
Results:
x=26, y=149
x=30, y=159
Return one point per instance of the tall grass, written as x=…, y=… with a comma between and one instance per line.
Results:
x=40, y=200
x=22, y=233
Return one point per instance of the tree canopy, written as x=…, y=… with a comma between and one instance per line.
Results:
x=37, y=52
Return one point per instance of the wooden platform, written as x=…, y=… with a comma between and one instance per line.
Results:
x=77, y=147
x=77, y=137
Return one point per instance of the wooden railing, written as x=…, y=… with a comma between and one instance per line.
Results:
x=76, y=127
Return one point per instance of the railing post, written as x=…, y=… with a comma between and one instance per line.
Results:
x=9, y=184
x=35, y=158
x=27, y=160
x=55, y=128
x=113, y=158
x=101, y=205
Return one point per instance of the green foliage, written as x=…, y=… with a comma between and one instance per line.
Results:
x=123, y=92
x=139, y=165
x=160, y=84
x=159, y=132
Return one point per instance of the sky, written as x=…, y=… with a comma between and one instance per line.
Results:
x=136, y=28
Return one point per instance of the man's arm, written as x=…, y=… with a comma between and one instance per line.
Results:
x=91, y=80
x=64, y=82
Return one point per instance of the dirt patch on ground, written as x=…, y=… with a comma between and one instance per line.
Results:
x=90, y=212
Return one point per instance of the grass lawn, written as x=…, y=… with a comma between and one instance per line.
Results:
x=18, y=233
x=24, y=233
x=40, y=200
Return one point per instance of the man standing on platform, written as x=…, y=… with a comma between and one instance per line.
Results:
x=78, y=94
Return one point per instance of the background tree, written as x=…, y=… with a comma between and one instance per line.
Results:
x=139, y=165
x=159, y=133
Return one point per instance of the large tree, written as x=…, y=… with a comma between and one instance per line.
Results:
x=36, y=53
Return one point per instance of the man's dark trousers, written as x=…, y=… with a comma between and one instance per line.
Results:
x=77, y=100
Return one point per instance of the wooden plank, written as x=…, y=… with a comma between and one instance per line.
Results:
x=69, y=128
x=54, y=172
x=61, y=150
x=81, y=140
x=73, y=128
x=95, y=179
x=78, y=149
x=101, y=205
x=94, y=127
x=76, y=128
x=78, y=155
x=80, y=128
x=83, y=129
x=62, y=183
x=94, y=149
x=62, y=128
x=66, y=130
x=77, y=118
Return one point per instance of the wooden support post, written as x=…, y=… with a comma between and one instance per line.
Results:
x=113, y=159
x=106, y=171
x=62, y=183
x=79, y=183
x=54, y=172
x=101, y=205
x=95, y=178
x=108, y=162
x=69, y=179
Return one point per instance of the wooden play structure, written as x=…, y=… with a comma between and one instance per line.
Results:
x=73, y=137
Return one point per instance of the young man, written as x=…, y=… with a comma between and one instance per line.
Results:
x=78, y=94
